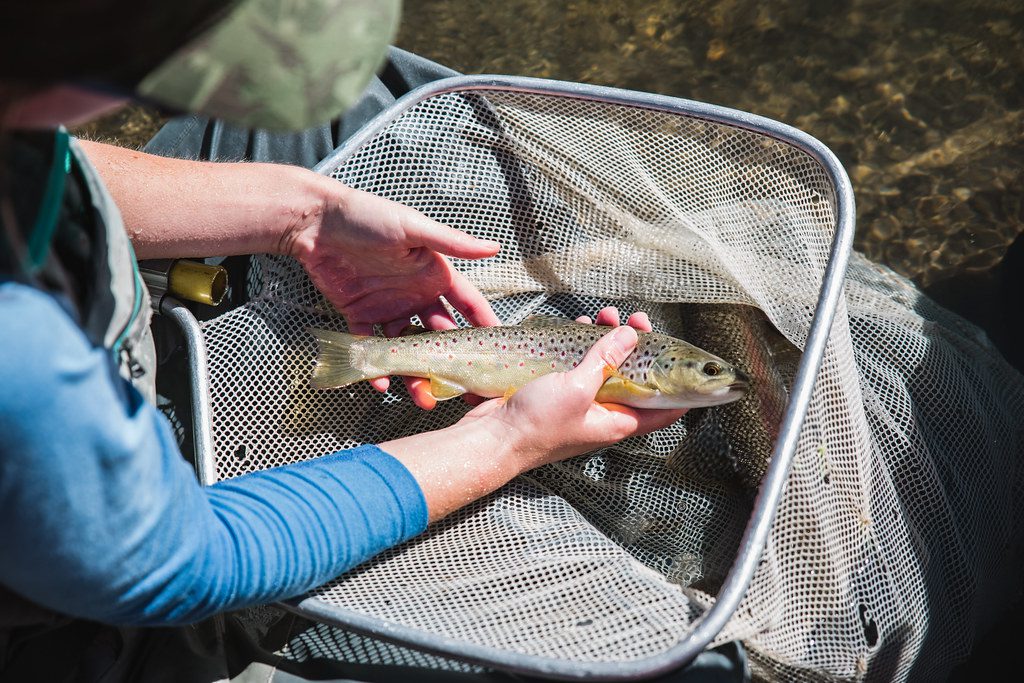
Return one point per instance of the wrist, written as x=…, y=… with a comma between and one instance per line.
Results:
x=459, y=464
x=501, y=442
x=305, y=199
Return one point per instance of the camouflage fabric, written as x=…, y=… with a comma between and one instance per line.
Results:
x=278, y=64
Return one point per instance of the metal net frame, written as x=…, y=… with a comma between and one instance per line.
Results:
x=615, y=564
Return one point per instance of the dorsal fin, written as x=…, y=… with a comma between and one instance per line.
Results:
x=412, y=329
x=542, y=320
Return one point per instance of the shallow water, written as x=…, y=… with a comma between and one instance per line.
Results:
x=921, y=100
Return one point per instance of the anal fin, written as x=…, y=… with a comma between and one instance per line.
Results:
x=443, y=389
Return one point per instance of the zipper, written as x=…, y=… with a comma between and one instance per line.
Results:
x=53, y=198
x=119, y=343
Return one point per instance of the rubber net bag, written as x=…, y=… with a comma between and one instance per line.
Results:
x=895, y=541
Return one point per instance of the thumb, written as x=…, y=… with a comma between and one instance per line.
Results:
x=607, y=354
x=449, y=241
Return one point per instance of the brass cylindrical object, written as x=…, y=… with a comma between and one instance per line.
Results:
x=184, y=279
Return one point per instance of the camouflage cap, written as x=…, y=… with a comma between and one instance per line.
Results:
x=278, y=64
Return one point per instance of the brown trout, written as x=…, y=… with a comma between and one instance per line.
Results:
x=662, y=372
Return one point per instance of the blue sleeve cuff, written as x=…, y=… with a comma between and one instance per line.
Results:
x=296, y=527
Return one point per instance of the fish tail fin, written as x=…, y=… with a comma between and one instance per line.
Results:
x=334, y=361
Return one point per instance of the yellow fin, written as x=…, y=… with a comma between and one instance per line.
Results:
x=443, y=390
x=610, y=372
x=618, y=389
x=334, y=361
x=508, y=393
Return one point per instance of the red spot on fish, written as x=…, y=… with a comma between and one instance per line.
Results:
x=394, y=350
x=552, y=365
x=415, y=345
x=533, y=372
x=506, y=366
x=563, y=354
x=521, y=363
x=541, y=354
x=504, y=347
x=437, y=343
x=533, y=351
x=481, y=342
x=469, y=363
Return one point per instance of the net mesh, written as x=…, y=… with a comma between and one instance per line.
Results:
x=896, y=535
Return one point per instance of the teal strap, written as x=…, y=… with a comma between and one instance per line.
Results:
x=49, y=211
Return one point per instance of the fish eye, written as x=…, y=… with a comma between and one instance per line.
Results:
x=712, y=369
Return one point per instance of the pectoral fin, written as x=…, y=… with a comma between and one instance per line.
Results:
x=443, y=389
x=617, y=389
x=609, y=372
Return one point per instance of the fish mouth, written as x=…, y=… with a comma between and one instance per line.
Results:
x=740, y=383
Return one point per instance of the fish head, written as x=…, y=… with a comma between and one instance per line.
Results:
x=690, y=377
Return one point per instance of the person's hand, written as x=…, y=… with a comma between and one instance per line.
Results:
x=551, y=418
x=609, y=316
x=380, y=262
x=555, y=416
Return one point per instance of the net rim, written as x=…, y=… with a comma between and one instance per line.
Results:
x=766, y=503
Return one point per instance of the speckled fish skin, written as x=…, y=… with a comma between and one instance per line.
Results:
x=662, y=372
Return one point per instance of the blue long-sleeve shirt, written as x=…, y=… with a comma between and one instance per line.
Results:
x=101, y=518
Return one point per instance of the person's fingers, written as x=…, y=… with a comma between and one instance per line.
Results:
x=609, y=315
x=436, y=317
x=642, y=421
x=419, y=388
x=608, y=352
x=652, y=419
x=445, y=240
x=639, y=321
x=361, y=329
x=467, y=300
x=391, y=329
x=381, y=384
x=419, y=391
x=394, y=328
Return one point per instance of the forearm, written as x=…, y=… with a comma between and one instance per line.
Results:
x=105, y=520
x=459, y=464
x=178, y=208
